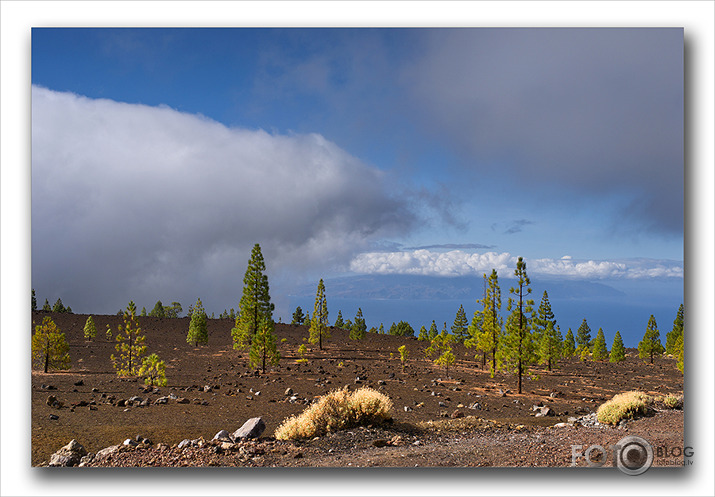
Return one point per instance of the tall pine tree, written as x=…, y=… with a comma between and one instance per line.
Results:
x=255, y=304
x=49, y=346
x=569, y=346
x=518, y=349
x=459, y=328
x=487, y=327
x=358, y=330
x=544, y=317
x=130, y=344
x=650, y=346
x=550, y=345
x=319, y=322
x=583, y=336
x=600, y=348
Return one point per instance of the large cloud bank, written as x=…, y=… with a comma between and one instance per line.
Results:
x=460, y=263
x=131, y=201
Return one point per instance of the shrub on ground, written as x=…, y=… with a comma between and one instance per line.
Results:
x=337, y=410
x=624, y=406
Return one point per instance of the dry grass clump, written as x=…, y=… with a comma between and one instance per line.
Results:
x=337, y=410
x=624, y=406
x=671, y=401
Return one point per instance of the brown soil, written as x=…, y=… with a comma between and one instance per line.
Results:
x=491, y=435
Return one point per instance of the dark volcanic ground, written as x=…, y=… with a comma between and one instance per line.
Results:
x=237, y=392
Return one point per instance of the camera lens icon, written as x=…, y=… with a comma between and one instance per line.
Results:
x=634, y=455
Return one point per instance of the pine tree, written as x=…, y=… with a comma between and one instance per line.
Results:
x=544, y=317
x=90, y=330
x=298, y=316
x=679, y=353
x=58, y=307
x=440, y=351
x=358, y=330
x=477, y=337
x=422, y=335
x=381, y=329
x=432, y=330
x=158, y=310
x=49, y=346
x=672, y=336
x=130, y=344
x=255, y=304
x=143, y=313
x=600, y=348
x=404, y=355
x=618, y=351
x=46, y=307
x=491, y=323
x=402, y=329
x=153, y=370
x=263, y=346
x=34, y=301
x=174, y=310
x=550, y=345
x=339, y=323
x=319, y=326
x=650, y=346
x=583, y=335
x=569, y=347
x=518, y=350
x=198, y=332
x=459, y=328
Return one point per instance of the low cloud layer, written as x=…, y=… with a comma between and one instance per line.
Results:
x=459, y=263
x=131, y=201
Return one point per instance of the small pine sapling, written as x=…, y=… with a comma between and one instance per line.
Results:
x=153, y=370
x=404, y=355
x=301, y=351
x=130, y=345
x=198, y=332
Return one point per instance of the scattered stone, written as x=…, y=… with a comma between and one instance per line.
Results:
x=253, y=428
x=408, y=409
x=48, y=387
x=476, y=406
x=95, y=390
x=502, y=393
x=69, y=455
x=54, y=416
x=162, y=400
x=79, y=383
x=147, y=389
x=183, y=400
x=380, y=443
x=135, y=399
x=53, y=402
x=289, y=391
x=561, y=425
x=381, y=382
x=185, y=443
x=544, y=411
x=442, y=404
x=457, y=414
x=130, y=443
x=223, y=435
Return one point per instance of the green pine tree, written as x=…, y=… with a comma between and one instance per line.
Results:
x=618, y=351
x=569, y=346
x=255, y=305
x=650, y=346
x=672, y=336
x=600, y=348
x=263, y=347
x=486, y=328
x=158, y=310
x=358, y=330
x=59, y=307
x=440, y=351
x=90, y=330
x=544, y=317
x=422, y=335
x=583, y=335
x=432, y=330
x=381, y=329
x=143, y=313
x=319, y=326
x=198, y=332
x=49, y=346
x=153, y=370
x=459, y=328
x=130, y=344
x=518, y=350
x=46, y=307
x=298, y=316
x=679, y=353
x=34, y=301
x=339, y=323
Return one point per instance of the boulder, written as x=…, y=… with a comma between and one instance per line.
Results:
x=253, y=428
x=69, y=455
x=162, y=400
x=544, y=411
x=223, y=435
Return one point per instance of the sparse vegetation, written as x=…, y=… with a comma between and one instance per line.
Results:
x=618, y=351
x=298, y=316
x=301, y=351
x=198, y=332
x=255, y=305
x=153, y=370
x=600, y=350
x=650, y=346
x=319, y=328
x=404, y=355
x=569, y=345
x=337, y=410
x=518, y=349
x=358, y=329
x=624, y=406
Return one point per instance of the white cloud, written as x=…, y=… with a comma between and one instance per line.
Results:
x=459, y=263
x=130, y=200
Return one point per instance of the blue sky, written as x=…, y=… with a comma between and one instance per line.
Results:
x=161, y=155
